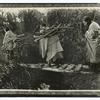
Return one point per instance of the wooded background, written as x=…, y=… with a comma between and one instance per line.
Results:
x=72, y=40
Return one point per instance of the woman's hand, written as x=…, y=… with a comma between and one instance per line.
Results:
x=86, y=33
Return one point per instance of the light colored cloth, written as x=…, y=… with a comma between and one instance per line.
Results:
x=43, y=43
x=50, y=47
x=8, y=41
x=54, y=48
x=43, y=46
x=59, y=55
x=93, y=43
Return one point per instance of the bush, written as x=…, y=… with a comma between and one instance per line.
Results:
x=31, y=20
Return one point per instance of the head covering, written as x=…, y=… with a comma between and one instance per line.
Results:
x=87, y=19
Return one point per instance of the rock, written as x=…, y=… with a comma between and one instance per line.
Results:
x=64, y=66
x=70, y=67
x=85, y=66
x=78, y=67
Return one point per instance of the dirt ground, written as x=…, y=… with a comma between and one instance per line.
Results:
x=41, y=77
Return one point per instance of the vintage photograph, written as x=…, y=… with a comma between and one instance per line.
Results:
x=50, y=49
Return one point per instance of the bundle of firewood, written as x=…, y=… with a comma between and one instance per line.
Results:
x=52, y=31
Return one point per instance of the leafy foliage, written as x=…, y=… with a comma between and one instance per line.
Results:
x=31, y=19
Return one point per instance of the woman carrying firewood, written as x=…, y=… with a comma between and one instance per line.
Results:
x=92, y=36
x=50, y=46
x=55, y=50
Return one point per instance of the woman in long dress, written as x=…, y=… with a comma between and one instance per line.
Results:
x=92, y=36
x=9, y=44
x=50, y=47
x=54, y=50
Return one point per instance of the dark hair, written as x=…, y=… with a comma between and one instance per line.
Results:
x=43, y=24
x=88, y=20
x=7, y=29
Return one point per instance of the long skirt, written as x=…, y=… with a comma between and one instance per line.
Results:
x=93, y=50
x=54, y=49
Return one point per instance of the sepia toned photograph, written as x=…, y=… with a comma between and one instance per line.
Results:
x=50, y=50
